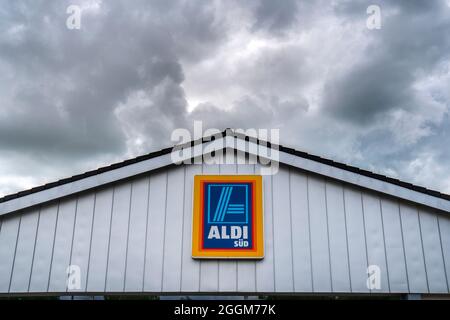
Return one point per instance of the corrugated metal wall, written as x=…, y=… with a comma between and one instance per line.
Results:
x=134, y=236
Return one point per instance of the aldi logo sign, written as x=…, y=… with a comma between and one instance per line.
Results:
x=228, y=219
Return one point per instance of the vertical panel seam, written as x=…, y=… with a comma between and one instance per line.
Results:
x=264, y=241
x=384, y=244
x=236, y=263
x=403, y=243
x=164, y=231
x=290, y=224
x=364, y=231
x=53, y=246
x=1, y=223
x=90, y=240
x=34, y=248
x=237, y=275
x=15, y=250
x=442, y=252
x=128, y=237
x=262, y=190
x=200, y=263
x=309, y=233
x=423, y=251
x=273, y=236
x=146, y=235
x=73, y=236
x=218, y=262
x=328, y=235
x=109, y=236
x=182, y=228
x=346, y=239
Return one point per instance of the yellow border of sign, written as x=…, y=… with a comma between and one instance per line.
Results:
x=259, y=220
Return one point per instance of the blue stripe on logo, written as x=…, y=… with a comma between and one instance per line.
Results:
x=219, y=203
x=223, y=203
x=226, y=203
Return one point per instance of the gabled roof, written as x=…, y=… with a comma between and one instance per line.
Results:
x=161, y=158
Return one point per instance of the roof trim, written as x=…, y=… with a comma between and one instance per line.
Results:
x=162, y=158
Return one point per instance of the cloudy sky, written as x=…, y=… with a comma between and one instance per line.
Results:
x=73, y=100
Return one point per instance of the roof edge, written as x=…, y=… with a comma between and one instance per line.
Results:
x=223, y=134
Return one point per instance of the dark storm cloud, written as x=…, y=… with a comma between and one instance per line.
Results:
x=68, y=83
x=71, y=100
x=410, y=44
x=263, y=111
x=401, y=130
x=275, y=16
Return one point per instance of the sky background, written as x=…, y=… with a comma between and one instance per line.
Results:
x=74, y=100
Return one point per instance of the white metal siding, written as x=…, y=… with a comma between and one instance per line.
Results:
x=135, y=236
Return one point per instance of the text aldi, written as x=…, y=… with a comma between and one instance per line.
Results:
x=228, y=217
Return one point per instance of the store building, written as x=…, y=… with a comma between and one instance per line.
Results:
x=327, y=229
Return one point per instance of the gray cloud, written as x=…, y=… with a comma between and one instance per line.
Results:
x=387, y=93
x=71, y=100
x=409, y=46
x=251, y=112
x=275, y=16
x=68, y=83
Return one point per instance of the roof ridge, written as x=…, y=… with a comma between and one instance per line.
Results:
x=212, y=137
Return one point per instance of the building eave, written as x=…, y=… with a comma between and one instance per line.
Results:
x=230, y=140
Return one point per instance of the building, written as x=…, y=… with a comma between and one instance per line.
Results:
x=329, y=229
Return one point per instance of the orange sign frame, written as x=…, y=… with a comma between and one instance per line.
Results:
x=257, y=250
